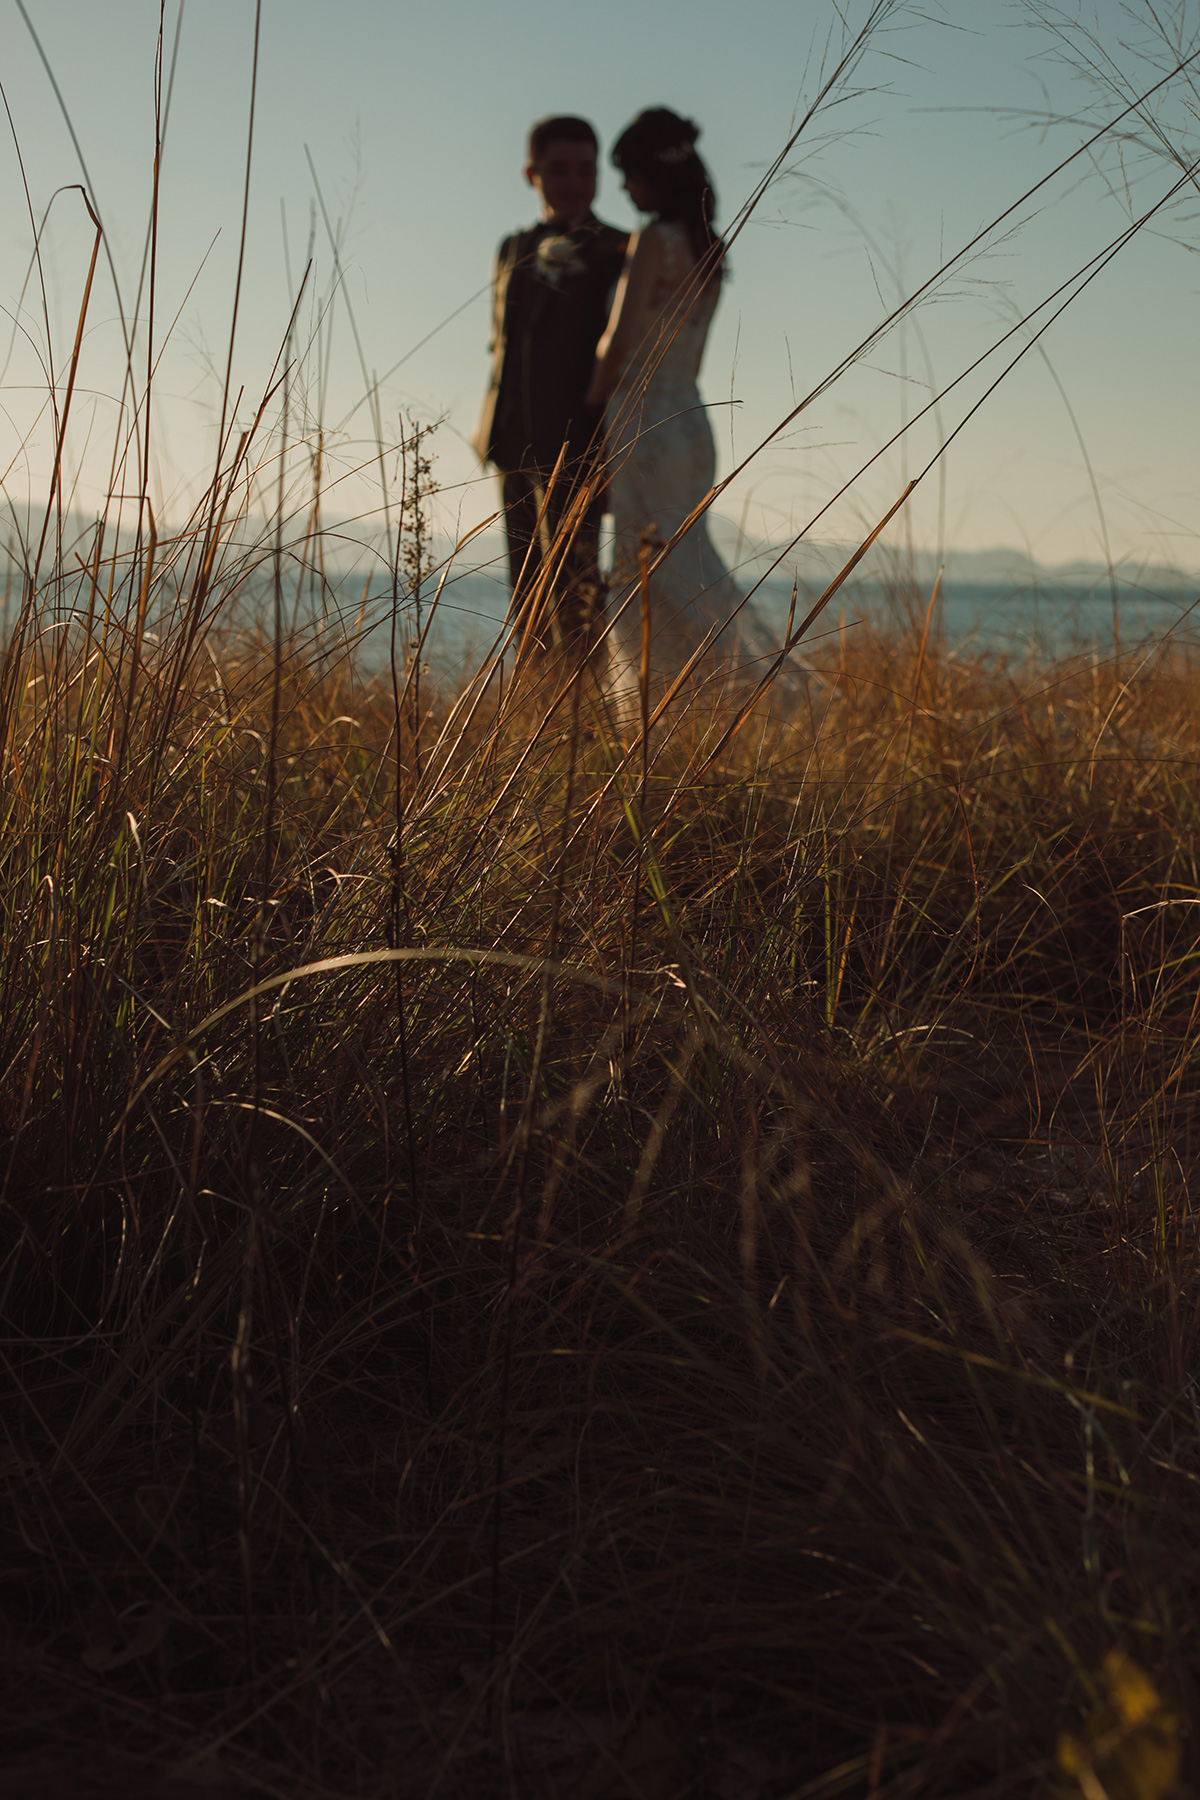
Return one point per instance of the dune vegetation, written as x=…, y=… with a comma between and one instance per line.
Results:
x=543, y=1258
x=521, y=1257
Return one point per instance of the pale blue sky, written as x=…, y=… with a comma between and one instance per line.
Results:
x=415, y=115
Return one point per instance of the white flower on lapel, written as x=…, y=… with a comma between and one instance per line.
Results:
x=556, y=257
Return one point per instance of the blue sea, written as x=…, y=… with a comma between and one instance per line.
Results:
x=1022, y=622
x=995, y=603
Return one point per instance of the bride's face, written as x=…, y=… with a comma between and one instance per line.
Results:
x=639, y=190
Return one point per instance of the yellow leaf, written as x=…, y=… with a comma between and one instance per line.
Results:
x=1134, y=1695
x=1130, y=1748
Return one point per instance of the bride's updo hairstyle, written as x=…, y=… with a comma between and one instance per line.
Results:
x=660, y=148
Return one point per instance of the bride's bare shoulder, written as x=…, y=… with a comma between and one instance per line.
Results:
x=672, y=247
x=646, y=245
x=664, y=233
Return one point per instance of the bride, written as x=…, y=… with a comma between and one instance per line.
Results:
x=658, y=441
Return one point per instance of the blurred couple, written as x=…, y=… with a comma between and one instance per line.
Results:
x=597, y=338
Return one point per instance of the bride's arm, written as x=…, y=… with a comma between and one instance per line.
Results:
x=630, y=316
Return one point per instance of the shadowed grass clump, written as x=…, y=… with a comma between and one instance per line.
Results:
x=542, y=1256
x=580, y=1271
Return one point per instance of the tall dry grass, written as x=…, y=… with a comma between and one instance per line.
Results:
x=675, y=1272
x=542, y=1258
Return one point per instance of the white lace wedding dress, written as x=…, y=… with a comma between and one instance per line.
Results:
x=662, y=464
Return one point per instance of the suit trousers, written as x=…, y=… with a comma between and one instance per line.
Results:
x=557, y=588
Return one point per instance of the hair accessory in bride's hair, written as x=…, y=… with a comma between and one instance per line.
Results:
x=660, y=148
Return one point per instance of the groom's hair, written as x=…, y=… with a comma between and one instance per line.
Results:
x=549, y=131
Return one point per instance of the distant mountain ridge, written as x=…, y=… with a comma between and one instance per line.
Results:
x=886, y=564
x=355, y=544
x=999, y=566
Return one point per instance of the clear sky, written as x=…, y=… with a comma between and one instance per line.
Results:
x=413, y=115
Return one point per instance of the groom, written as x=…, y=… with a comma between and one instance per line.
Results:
x=551, y=290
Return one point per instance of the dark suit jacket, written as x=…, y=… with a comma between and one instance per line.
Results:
x=549, y=309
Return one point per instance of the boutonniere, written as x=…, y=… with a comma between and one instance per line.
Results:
x=556, y=257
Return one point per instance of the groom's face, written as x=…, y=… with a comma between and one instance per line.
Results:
x=565, y=178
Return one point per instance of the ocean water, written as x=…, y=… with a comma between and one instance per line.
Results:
x=1037, y=622
x=1016, y=622
x=1029, y=615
